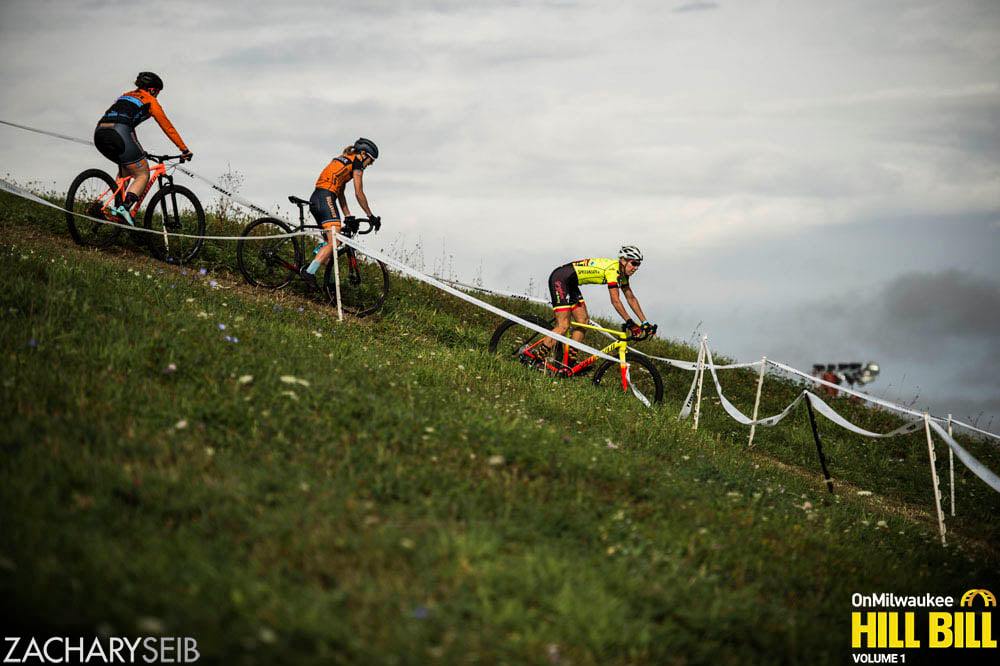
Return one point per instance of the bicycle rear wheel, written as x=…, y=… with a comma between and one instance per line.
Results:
x=364, y=282
x=642, y=373
x=270, y=263
x=510, y=336
x=175, y=209
x=87, y=195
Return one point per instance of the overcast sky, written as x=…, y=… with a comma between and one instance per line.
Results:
x=814, y=181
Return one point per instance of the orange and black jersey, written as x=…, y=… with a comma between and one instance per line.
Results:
x=137, y=106
x=340, y=170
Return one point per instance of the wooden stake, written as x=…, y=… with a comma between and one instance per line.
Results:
x=701, y=378
x=934, y=477
x=819, y=446
x=756, y=402
x=951, y=468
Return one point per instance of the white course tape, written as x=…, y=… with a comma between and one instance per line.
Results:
x=53, y=134
x=492, y=292
x=30, y=196
x=816, y=402
x=977, y=468
x=235, y=197
x=830, y=414
x=877, y=401
x=434, y=282
x=636, y=392
x=689, y=400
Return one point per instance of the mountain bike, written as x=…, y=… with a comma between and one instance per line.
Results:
x=519, y=342
x=173, y=208
x=272, y=264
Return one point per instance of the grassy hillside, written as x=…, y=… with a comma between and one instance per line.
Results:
x=384, y=491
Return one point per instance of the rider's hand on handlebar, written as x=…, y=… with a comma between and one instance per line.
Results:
x=186, y=155
x=376, y=222
x=632, y=328
x=351, y=224
x=649, y=329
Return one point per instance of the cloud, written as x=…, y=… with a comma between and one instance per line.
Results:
x=952, y=304
x=696, y=7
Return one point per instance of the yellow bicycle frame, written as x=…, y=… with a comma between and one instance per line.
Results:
x=619, y=347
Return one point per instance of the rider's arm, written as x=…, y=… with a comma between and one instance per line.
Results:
x=616, y=302
x=156, y=111
x=359, y=193
x=342, y=198
x=633, y=303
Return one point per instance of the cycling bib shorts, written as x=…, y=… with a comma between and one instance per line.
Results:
x=119, y=144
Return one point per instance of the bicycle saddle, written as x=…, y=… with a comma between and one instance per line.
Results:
x=296, y=200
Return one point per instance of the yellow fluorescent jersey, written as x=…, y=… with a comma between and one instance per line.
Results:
x=599, y=271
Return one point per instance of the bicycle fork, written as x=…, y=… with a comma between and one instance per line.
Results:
x=624, y=368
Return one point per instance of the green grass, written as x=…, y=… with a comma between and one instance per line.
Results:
x=418, y=500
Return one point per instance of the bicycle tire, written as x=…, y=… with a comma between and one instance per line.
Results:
x=646, y=377
x=507, y=339
x=187, y=218
x=266, y=263
x=364, y=282
x=84, y=197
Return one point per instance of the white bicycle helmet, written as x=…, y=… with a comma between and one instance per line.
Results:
x=630, y=252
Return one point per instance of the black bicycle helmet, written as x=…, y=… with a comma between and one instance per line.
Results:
x=368, y=146
x=149, y=80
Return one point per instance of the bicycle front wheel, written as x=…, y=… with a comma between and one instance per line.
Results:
x=88, y=195
x=272, y=262
x=175, y=210
x=642, y=373
x=364, y=282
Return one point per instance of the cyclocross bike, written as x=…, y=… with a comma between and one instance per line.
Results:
x=519, y=342
x=364, y=282
x=173, y=208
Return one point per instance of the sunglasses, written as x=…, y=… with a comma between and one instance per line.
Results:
x=635, y=263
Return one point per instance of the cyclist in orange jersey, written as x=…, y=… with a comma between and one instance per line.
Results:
x=115, y=136
x=330, y=189
x=567, y=301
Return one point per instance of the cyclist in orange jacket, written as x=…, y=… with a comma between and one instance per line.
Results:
x=115, y=136
x=330, y=189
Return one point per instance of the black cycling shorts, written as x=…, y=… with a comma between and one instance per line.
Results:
x=118, y=144
x=323, y=206
x=564, y=288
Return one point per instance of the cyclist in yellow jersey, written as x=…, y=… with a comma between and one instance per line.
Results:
x=567, y=301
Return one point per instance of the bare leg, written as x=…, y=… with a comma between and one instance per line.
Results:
x=140, y=176
x=328, y=249
x=562, y=325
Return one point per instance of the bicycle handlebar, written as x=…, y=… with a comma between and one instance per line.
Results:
x=365, y=220
x=160, y=159
x=644, y=335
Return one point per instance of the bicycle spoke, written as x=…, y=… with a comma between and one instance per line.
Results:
x=175, y=210
x=364, y=282
x=91, y=195
x=267, y=263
